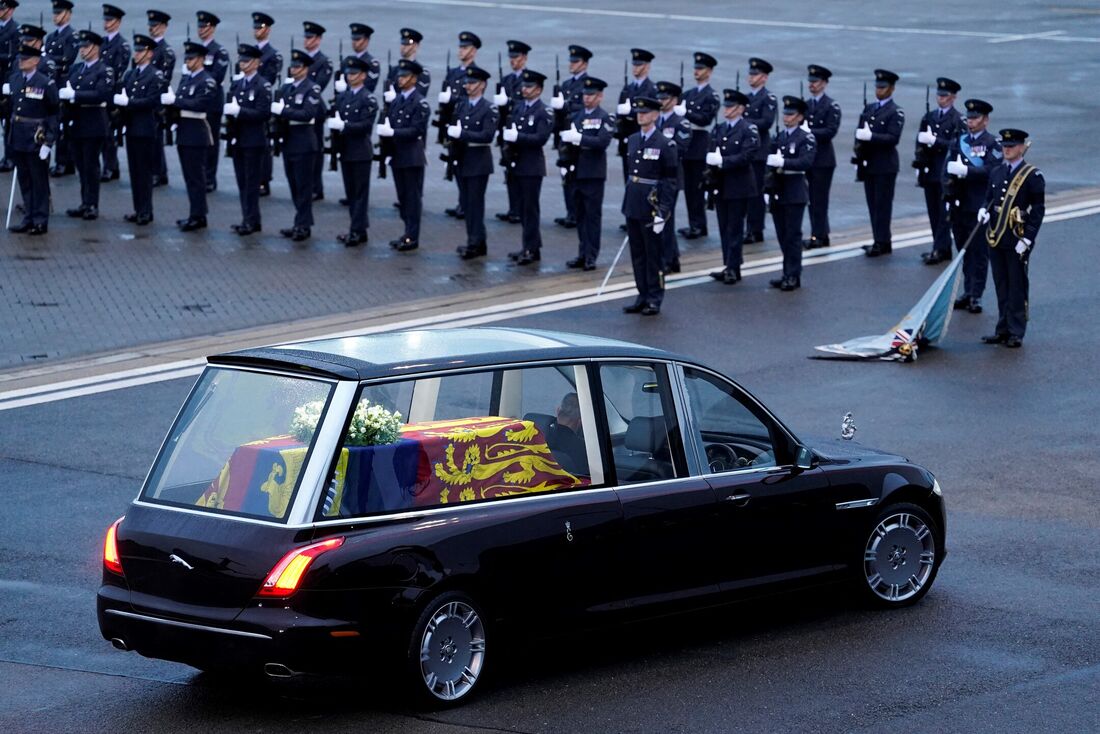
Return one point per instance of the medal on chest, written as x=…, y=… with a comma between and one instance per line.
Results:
x=651, y=154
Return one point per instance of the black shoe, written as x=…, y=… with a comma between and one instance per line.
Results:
x=76, y=213
x=345, y=202
x=90, y=214
x=815, y=243
x=141, y=219
x=566, y=222
x=575, y=263
x=874, y=250
x=777, y=282
x=300, y=234
x=673, y=267
x=790, y=284
x=288, y=231
x=651, y=309
x=994, y=339
x=589, y=265
x=59, y=171
x=318, y=196
x=513, y=256
x=211, y=188
x=407, y=244
x=528, y=256
x=395, y=243
x=352, y=239
x=975, y=305
x=454, y=212
x=397, y=205
x=622, y=227
x=504, y=216
x=693, y=234
x=732, y=276
x=1013, y=342
x=935, y=257
x=6, y=166
x=962, y=302
x=471, y=251
x=752, y=238
x=159, y=181
x=38, y=229
x=635, y=307
x=515, y=219
x=244, y=230
x=265, y=189
x=719, y=275
x=192, y=224
x=21, y=228
x=108, y=176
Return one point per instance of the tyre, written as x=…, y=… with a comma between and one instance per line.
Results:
x=446, y=654
x=901, y=554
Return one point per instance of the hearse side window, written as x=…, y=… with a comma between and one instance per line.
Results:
x=466, y=437
x=731, y=434
x=645, y=440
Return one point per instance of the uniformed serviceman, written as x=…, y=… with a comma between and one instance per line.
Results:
x=700, y=107
x=217, y=66
x=115, y=52
x=9, y=49
x=32, y=35
x=505, y=99
x=406, y=121
x=61, y=48
x=471, y=137
x=410, y=47
x=677, y=129
x=879, y=132
x=823, y=118
x=639, y=86
x=320, y=73
x=938, y=130
x=566, y=103
x=33, y=133
x=529, y=127
x=196, y=94
x=139, y=100
x=164, y=59
x=733, y=145
x=452, y=95
x=972, y=155
x=1015, y=203
x=761, y=113
x=647, y=203
x=271, y=71
x=89, y=86
x=360, y=40
x=297, y=107
x=356, y=110
x=793, y=153
x=250, y=104
x=591, y=131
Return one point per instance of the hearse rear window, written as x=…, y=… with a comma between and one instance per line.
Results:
x=466, y=438
x=240, y=444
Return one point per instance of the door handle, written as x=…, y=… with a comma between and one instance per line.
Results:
x=738, y=499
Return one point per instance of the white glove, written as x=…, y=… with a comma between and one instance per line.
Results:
x=680, y=109
x=623, y=108
x=805, y=126
x=390, y=94
x=288, y=80
x=385, y=130
x=121, y=100
x=340, y=86
x=278, y=107
x=557, y=102
x=238, y=76
x=455, y=131
x=572, y=135
x=445, y=96
x=511, y=134
x=775, y=160
x=168, y=98
x=335, y=123
x=658, y=225
x=714, y=158
x=926, y=137
x=7, y=89
x=1023, y=246
x=231, y=108
x=957, y=167
x=564, y=172
x=500, y=99
x=983, y=215
x=44, y=152
x=66, y=92
x=864, y=133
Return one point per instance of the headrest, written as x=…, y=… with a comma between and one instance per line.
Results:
x=645, y=434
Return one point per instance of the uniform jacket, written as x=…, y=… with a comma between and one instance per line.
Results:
x=94, y=86
x=823, y=118
x=738, y=145
x=9, y=46
x=358, y=111
x=655, y=162
x=116, y=53
x=320, y=71
x=423, y=81
x=597, y=129
x=535, y=125
x=304, y=108
x=512, y=90
x=1031, y=200
x=479, y=127
x=60, y=46
x=880, y=153
x=454, y=80
x=217, y=65
x=143, y=87
x=271, y=64
x=761, y=112
x=702, y=107
x=981, y=154
x=573, y=91
x=374, y=71
x=34, y=99
x=799, y=150
x=254, y=97
x=164, y=58
x=196, y=93
x=678, y=130
x=627, y=125
x=946, y=128
x=409, y=118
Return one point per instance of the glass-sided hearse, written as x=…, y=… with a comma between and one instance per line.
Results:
x=331, y=505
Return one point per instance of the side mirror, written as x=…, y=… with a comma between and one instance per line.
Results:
x=804, y=458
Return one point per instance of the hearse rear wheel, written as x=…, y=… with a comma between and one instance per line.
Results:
x=446, y=653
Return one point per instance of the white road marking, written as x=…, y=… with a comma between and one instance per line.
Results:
x=1027, y=36
x=66, y=389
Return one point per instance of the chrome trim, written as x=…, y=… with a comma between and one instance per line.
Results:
x=186, y=625
x=325, y=442
x=737, y=498
x=856, y=504
x=685, y=421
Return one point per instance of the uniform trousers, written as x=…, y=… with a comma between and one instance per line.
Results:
x=162, y=163
x=110, y=153
x=588, y=204
x=821, y=181
x=570, y=201
x=34, y=186
x=937, y=217
x=670, y=244
x=193, y=165
x=731, y=228
x=471, y=200
x=1010, y=280
x=694, y=196
x=511, y=182
x=754, y=218
x=878, y=188
x=409, y=183
x=319, y=158
x=63, y=150
x=86, y=152
x=787, y=219
x=530, y=188
x=645, y=258
x=976, y=260
x=356, y=176
x=141, y=156
x=213, y=153
x=299, y=177
x=266, y=166
x=248, y=168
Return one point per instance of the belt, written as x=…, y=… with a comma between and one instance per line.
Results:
x=645, y=181
x=794, y=173
x=101, y=104
x=478, y=145
x=301, y=122
x=192, y=115
x=31, y=120
x=704, y=128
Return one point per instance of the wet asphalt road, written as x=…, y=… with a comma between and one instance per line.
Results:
x=1006, y=641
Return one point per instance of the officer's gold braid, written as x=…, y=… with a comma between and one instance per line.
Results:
x=1005, y=216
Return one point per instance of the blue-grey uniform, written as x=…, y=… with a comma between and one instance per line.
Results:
x=408, y=115
x=1016, y=203
x=9, y=48
x=115, y=52
x=196, y=95
x=649, y=195
x=737, y=142
x=677, y=129
x=61, y=48
x=142, y=86
x=790, y=192
x=217, y=65
x=454, y=89
x=762, y=112
x=510, y=88
x=571, y=90
x=878, y=162
x=164, y=59
x=253, y=94
x=271, y=71
x=625, y=124
x=964, y=194
x=944, y=125
x=701, y=105
x=589, y=174
x=474, y=163
x=360, y=31
x=320, y=73
x=410, y=36
x=302, y=108
x=93, y=85
x=823, y=118
x=534, y=124
x=358, y=109
x=34, y=124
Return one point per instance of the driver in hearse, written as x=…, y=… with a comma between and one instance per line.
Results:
x=564, y=436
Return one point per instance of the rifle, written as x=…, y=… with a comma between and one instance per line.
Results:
x=857, y=147
x=625, y=125
x=230, y=123
x=737, y=83
x=559, y=115
x=921, y=154
x=172, y=114
x=335, y=137
x=385, y=145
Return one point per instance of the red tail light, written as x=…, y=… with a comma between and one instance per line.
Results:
x=111, y=559
x=288, y=572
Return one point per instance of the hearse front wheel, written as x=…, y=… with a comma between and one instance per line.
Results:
x=446, y=653
x=901, y=556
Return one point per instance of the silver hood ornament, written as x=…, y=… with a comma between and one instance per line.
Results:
x=848, y=427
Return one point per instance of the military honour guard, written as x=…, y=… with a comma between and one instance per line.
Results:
x=793, y=153
x=194, y=98
x=507, y=96
x=115, y=52
x=639, y=85
x=567, y=101
x=406, y=122
x=700, y=107
x=762, y=112
x=320, y=73
x=451, y=97
x=590, y=133
x=529, y=127
x=823, y=119
x=360, y=40
x=88, y=88
x=9, y=51
x=734, y=143
x=164, y=59
x=296, y=108
x=61, y=48
x=351, y=126
x=877, y=139
x=249, y=106
x=938, y=130
x=676, y=128
x=410, y=48
x=217, y=63
x=471, y=135
x=271, y=71
x=34, y=122
x=139, y=101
